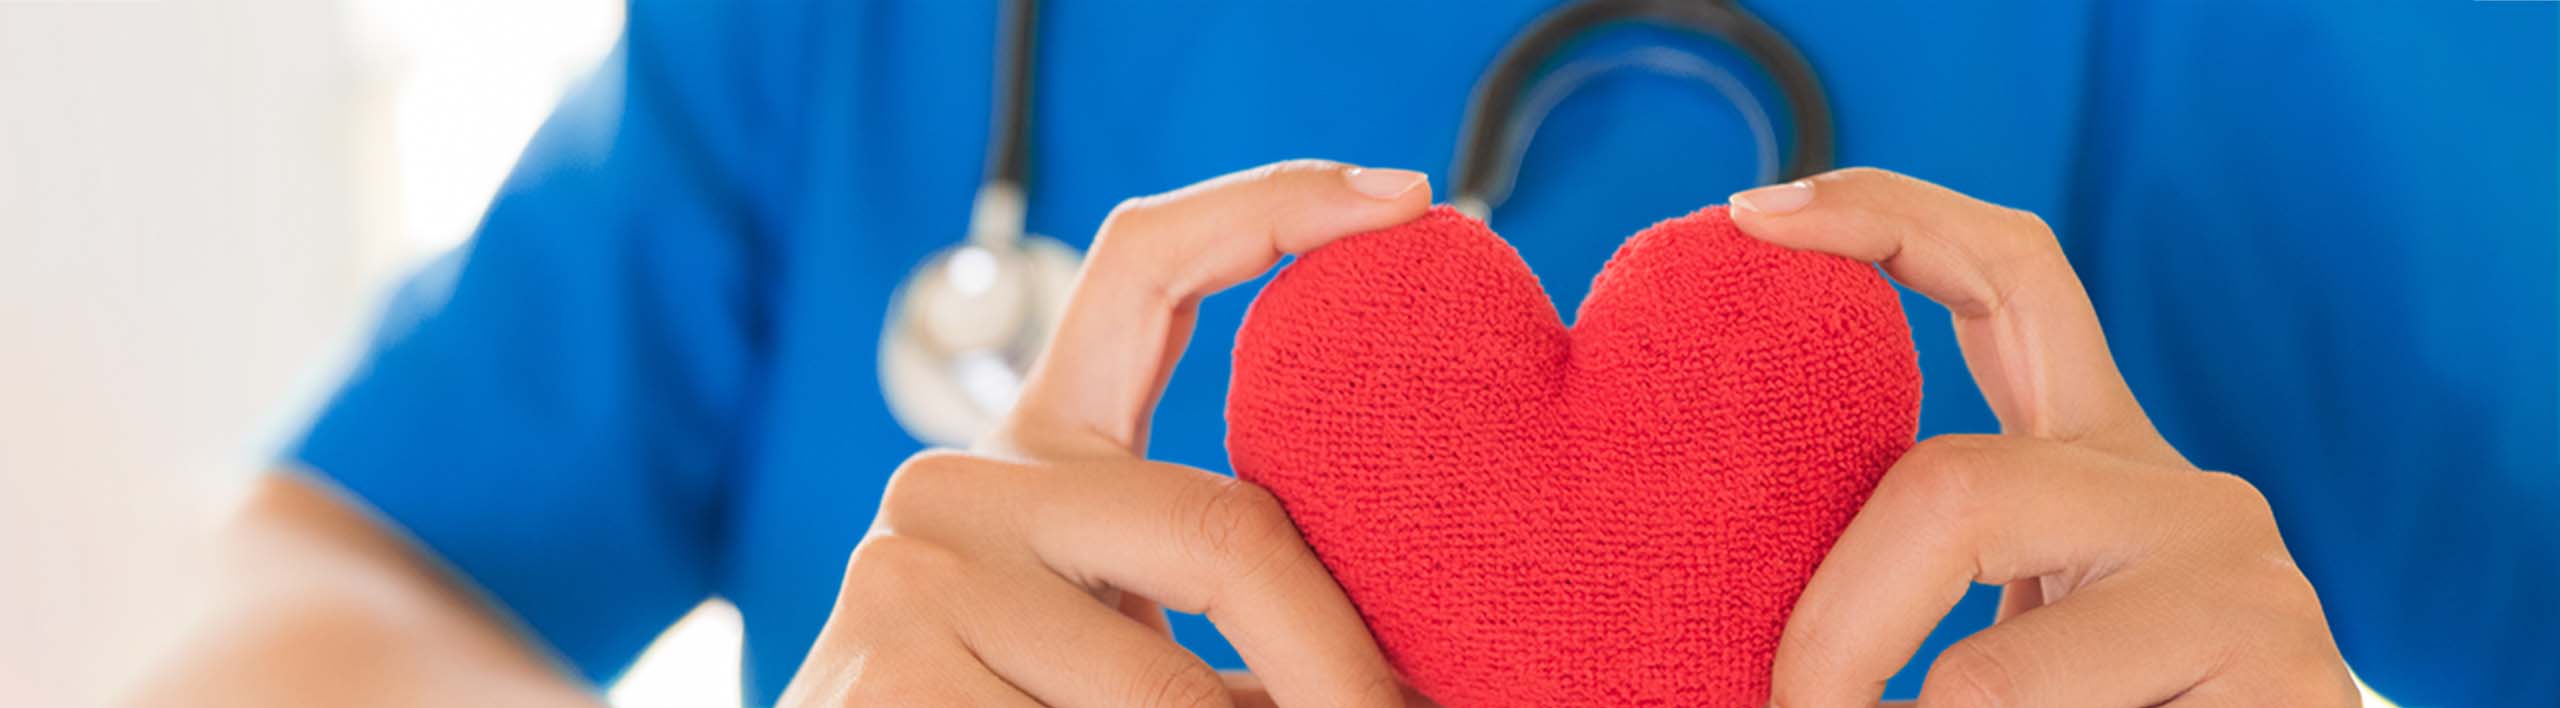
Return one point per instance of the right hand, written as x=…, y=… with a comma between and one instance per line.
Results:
x=1035, y=568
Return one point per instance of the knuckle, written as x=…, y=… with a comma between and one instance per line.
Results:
x=1179, y=681
x=2236, y=530
x=925, y=474
x=1970, y=673
x=1880, y=183
x=1244, y=528
x=1862, y=173
x=2233, y=525
x=891, y=568
x=927, y=483
x=2012, y=241
x=1131, y=214
x=2234, y=495
x=1287, y=169
x=2027, y=223
x=1940, y=478
x=1274, y=193
x=2029, y=236
x=1137, y=230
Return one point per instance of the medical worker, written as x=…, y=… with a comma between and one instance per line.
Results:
x=2308, y=245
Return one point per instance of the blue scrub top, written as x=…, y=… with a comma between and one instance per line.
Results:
x=2321, y=236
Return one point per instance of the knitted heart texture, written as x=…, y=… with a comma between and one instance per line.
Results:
x=1620, y=512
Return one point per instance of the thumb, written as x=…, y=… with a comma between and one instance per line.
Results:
x=2025, y=324
x=1132, y=307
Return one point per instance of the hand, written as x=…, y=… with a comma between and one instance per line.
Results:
x=1030, y=570
x=2132, y=578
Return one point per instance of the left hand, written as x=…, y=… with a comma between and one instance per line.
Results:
x=1029, y=571
x=2132, y=578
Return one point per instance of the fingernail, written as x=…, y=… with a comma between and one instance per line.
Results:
x=1775, y=199
x=1381, y=183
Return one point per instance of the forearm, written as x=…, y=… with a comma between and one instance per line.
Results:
x=316, y=606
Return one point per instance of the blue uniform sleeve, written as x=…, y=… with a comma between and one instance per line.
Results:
x=552, y=412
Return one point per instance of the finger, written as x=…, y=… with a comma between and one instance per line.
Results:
x=1209, y=544
x=942, y=674
x=1957, y=510
x=2025, y=323
x=2283, y=653
x=1154, y=257
x=888, y=642
x=1247, y=692
x=1052, y=640
x=2262, y=685
x=876, y=658
x=2125, y=642
x=968, y=688
x=2144, y=638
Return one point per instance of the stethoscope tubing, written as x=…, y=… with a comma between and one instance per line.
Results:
x=997, y=218
x=1487, y=165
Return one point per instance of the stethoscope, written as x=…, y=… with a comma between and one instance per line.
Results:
x=964, y=328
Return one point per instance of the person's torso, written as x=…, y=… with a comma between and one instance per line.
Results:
x=2212, y=222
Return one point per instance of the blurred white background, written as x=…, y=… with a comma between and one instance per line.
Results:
x=201, y=202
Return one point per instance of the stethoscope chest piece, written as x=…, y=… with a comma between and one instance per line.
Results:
x=964, y=329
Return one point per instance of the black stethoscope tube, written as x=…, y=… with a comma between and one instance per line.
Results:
x=1485, y=171
x=1008, y=139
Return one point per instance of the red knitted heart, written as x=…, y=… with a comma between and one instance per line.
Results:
x=1619, y=513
